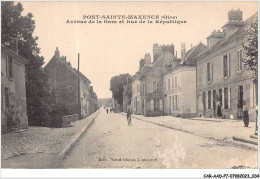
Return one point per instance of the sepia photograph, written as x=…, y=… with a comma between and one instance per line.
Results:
x=130, y=85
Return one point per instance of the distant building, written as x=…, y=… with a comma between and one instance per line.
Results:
x=13, y=91
x=147, y=86
x=179, y=84
x=221, y=76
x=65, y=80
x=158, y=50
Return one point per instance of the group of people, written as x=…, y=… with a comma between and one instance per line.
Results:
x=129, y=120
x=110, y=109
x=245, y=113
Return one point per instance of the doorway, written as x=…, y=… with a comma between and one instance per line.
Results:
x=240, y=102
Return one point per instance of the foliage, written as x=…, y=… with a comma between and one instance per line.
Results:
x=116, y=86
x=39, y=98
x=251, y=50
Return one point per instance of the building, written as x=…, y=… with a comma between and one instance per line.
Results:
x=13, y=91
x=65, y=80
x=220, y=75
x=179, y=84
x=147, y=86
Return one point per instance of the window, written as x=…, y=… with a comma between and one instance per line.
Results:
x=149, y=87
x=239, y=60
x=169, y=84
x=164, y=85
x=71, y=88
x=161, y=104
x=170, y=101
x=226, y=71
x=173, y=101
x=154, y=87
x=176, y=102
x=176, y=82
x=172, y=83
x=143, y=90
x=209, y=71
x=157, y=87
x=7, y=98
x=209, y=99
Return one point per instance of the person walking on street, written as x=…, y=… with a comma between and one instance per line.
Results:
x=107, y=110
x=219, y=113
x=245, y=114
x=129, y=115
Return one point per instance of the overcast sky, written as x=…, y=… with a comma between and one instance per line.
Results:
x=107, y=50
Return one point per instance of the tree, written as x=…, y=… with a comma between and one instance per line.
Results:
x=38, y=94
x=251, y=50
x=116, y=86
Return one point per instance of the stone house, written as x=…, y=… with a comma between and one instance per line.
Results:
x=65, y=80
x=221, y=76
x=13, y=91
x=179, y=84
x=147, y=86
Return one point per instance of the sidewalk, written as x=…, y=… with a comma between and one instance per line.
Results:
x=38, y=140
x=211, y=128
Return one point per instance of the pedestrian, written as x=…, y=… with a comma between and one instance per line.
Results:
x=128, y=115
x=107, y=110
x=245, y=114
x=219, y=113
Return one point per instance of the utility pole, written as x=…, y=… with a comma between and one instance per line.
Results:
x=79, y=99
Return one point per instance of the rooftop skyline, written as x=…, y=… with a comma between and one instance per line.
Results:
x=107, y=50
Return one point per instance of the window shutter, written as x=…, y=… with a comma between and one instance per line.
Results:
x=211, y=99
x=228, y=63
x=229, y=98
x=251, y=95
x=223, y=99
x=223, y=68
x=211, y=71
x=206, y=99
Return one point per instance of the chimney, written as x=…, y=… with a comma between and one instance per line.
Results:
x=214, y=38
x=176, y=54
x=65, y=59
x=57, y=52
x=183, y=51
x=147, y=58
x=235, y=21
x=141, y=63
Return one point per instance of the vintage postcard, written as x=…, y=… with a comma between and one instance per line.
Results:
x=130, y=85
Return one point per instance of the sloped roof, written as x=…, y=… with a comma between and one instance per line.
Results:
x=73, y=70
x=193, y=52
x=25, y=61
x=239, y=32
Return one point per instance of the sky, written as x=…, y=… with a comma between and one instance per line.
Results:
x=107, y=50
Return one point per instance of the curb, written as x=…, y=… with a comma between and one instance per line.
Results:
x=189, y=132
x=72, y=143
x=245, y=140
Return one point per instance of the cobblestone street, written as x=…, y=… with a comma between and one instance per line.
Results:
x=111, y=143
